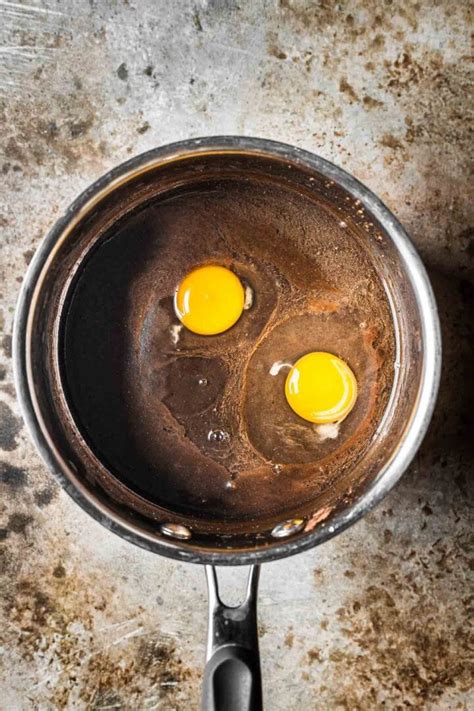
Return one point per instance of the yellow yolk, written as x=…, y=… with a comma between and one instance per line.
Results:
x=321, y=388
x=209, y=300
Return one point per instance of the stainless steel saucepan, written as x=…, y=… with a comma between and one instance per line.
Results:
x=91, y=475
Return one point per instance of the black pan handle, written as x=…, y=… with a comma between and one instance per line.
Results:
x=232, y=679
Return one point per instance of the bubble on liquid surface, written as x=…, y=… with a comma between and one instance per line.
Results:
x=203, y=381
x=218, y=436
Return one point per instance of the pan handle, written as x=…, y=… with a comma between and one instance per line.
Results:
x=232, y=679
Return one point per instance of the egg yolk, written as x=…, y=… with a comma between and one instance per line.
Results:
x=321, y=388
x=209, y=300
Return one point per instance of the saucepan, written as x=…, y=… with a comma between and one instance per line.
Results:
x=109, y=480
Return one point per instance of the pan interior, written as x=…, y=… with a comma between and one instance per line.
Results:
x=196, y=424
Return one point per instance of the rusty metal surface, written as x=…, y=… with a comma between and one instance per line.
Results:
x=378, y=617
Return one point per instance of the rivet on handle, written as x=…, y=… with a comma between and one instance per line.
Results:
x=288, y=528
x=175, y=530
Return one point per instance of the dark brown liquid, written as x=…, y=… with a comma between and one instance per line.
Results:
x=200, y=425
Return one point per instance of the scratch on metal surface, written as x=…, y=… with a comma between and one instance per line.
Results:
x=40, y=683
x=155, y=706
x=117, y=624
x=232, y=48
x=19, y=10
x=29, y=37
x=25, y=51
x=134, y=633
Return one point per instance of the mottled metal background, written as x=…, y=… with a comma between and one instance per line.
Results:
x=377, y=618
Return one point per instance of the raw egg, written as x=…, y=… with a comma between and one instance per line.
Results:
x=209, y=300
x=321, y=388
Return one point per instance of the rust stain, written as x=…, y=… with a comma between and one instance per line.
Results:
x=56, y=617
x=274, y=51
x=314, y=655
x=13, y=477
x=390, y=141
x=346, y=88
x=394, y=650
x=66, y=135
x=7, y=345
x=45, y=496
x=19, y=522
x=153, y=661
x=10, y=427
x=371, y=103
